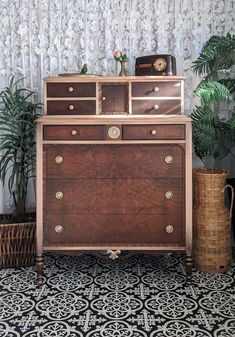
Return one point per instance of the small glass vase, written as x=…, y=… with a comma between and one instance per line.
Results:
x=123, y=69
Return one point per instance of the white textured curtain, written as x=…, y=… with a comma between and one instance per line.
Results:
x=41, y=38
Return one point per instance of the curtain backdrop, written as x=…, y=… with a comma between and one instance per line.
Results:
x=41, y=38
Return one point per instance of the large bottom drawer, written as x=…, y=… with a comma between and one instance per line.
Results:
x=117, y=229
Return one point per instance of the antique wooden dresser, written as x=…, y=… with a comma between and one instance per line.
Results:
x=114, y=166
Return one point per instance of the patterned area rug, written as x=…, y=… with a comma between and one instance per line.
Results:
x=135, y=296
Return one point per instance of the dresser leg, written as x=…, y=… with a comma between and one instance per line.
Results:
x=39, y=268
x=189, y=264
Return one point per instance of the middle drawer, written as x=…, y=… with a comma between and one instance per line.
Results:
x=154, y=131
x=114, y=196
x=74, y=132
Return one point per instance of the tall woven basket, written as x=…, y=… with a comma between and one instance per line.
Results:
x=211, y=222
x=17, y=244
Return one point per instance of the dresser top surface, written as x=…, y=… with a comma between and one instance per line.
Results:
x=114, y=119
x=84, y=78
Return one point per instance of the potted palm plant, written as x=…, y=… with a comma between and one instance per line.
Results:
x=213, y=138
x=17, y=162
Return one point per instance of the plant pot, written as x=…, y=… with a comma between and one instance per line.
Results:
x=231, y=181
x=211, y=222
x=17, y=243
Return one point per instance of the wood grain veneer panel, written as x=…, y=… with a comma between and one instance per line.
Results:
x=114, y=98
x=109, y=196
x=160, y=131
x=79, y=107
x=165, y=107
x=66, y=132
x=114, y=161
x=64, y=89
x=114, y=229
x=162, y=89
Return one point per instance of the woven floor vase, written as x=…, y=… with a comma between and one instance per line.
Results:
x=211, y=222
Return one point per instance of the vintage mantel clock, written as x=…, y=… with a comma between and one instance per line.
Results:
x=156, y=65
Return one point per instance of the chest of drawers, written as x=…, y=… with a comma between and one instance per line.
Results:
x=114, y=167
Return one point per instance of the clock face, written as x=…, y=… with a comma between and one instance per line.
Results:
x=160, y=64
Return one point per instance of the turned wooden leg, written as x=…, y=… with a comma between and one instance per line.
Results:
x=189, y=264
x=39, y=268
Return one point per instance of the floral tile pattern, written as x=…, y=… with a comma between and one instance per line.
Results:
x=136, y=296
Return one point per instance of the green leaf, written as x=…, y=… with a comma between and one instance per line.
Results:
x=217, y=53
x=18, y=114
x=211, y=137
x=210, y=91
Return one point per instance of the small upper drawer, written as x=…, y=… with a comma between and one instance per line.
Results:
x=70, y=89
x=153, y=131
x=71, y=107
x=156, y=89
x=74, y=132
x=156, y=107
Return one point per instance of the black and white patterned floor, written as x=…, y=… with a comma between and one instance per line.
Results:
x=136, y=296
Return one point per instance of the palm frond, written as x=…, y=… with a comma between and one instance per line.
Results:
x=212, y=91
x=202, y=64
x=211, y=137
x=217, y=53
x=229, y=84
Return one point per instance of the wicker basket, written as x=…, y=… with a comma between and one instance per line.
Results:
x=17, y=244
x=211, y=221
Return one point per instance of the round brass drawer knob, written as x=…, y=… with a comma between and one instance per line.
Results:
x=169, y=229
x=169, y=195
x=156, y=107
x=58, y=229
x=74, y=132
x=156, y=89
x=153, y=132
x=103, y=98
x=71, y=107
x=59, y=195
x=59, y=159
x=114, y=132
x=71, y=89
x=168, y=159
